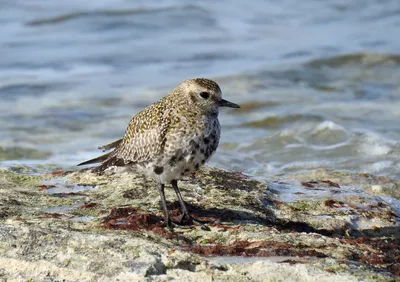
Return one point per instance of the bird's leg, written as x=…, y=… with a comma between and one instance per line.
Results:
x=185, y=213
x=167, y=219
x=184, y=210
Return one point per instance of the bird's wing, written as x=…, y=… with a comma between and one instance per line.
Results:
x=144, y=138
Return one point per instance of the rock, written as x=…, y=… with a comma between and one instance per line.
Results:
x=370, y=183
x=78, y=226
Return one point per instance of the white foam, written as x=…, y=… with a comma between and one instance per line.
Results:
x=378, y=166
x=328, y=147
x=373, y=144
x=271, y=168
x=305, y=165
x=328, y=125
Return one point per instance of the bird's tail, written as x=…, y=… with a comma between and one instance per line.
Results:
x=112, y=161
x=111, y=145
x=106, y=161
x=100, y=159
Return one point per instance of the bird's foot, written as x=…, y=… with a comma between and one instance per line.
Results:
x=186, y=222
x=187, y=218
x=172, y=224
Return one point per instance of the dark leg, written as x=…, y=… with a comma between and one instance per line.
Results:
x=167, y=219
x=185, y=213
x=184, y=210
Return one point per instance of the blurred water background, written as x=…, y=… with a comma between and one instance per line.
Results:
x=318, y=81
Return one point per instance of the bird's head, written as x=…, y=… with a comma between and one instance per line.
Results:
x=204, y=95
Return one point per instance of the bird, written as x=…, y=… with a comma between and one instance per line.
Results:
x=170, y=139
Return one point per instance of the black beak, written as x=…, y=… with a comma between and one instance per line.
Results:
x=225, y=103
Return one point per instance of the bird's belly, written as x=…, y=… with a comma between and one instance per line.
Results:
x=184, y=167
x=168, y=172
x=179, y=164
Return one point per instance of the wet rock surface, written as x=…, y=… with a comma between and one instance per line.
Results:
x=79, y=226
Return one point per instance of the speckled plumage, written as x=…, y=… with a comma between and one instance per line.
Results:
x=172, y=137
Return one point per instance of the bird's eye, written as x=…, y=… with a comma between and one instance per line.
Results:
x=205, y=95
